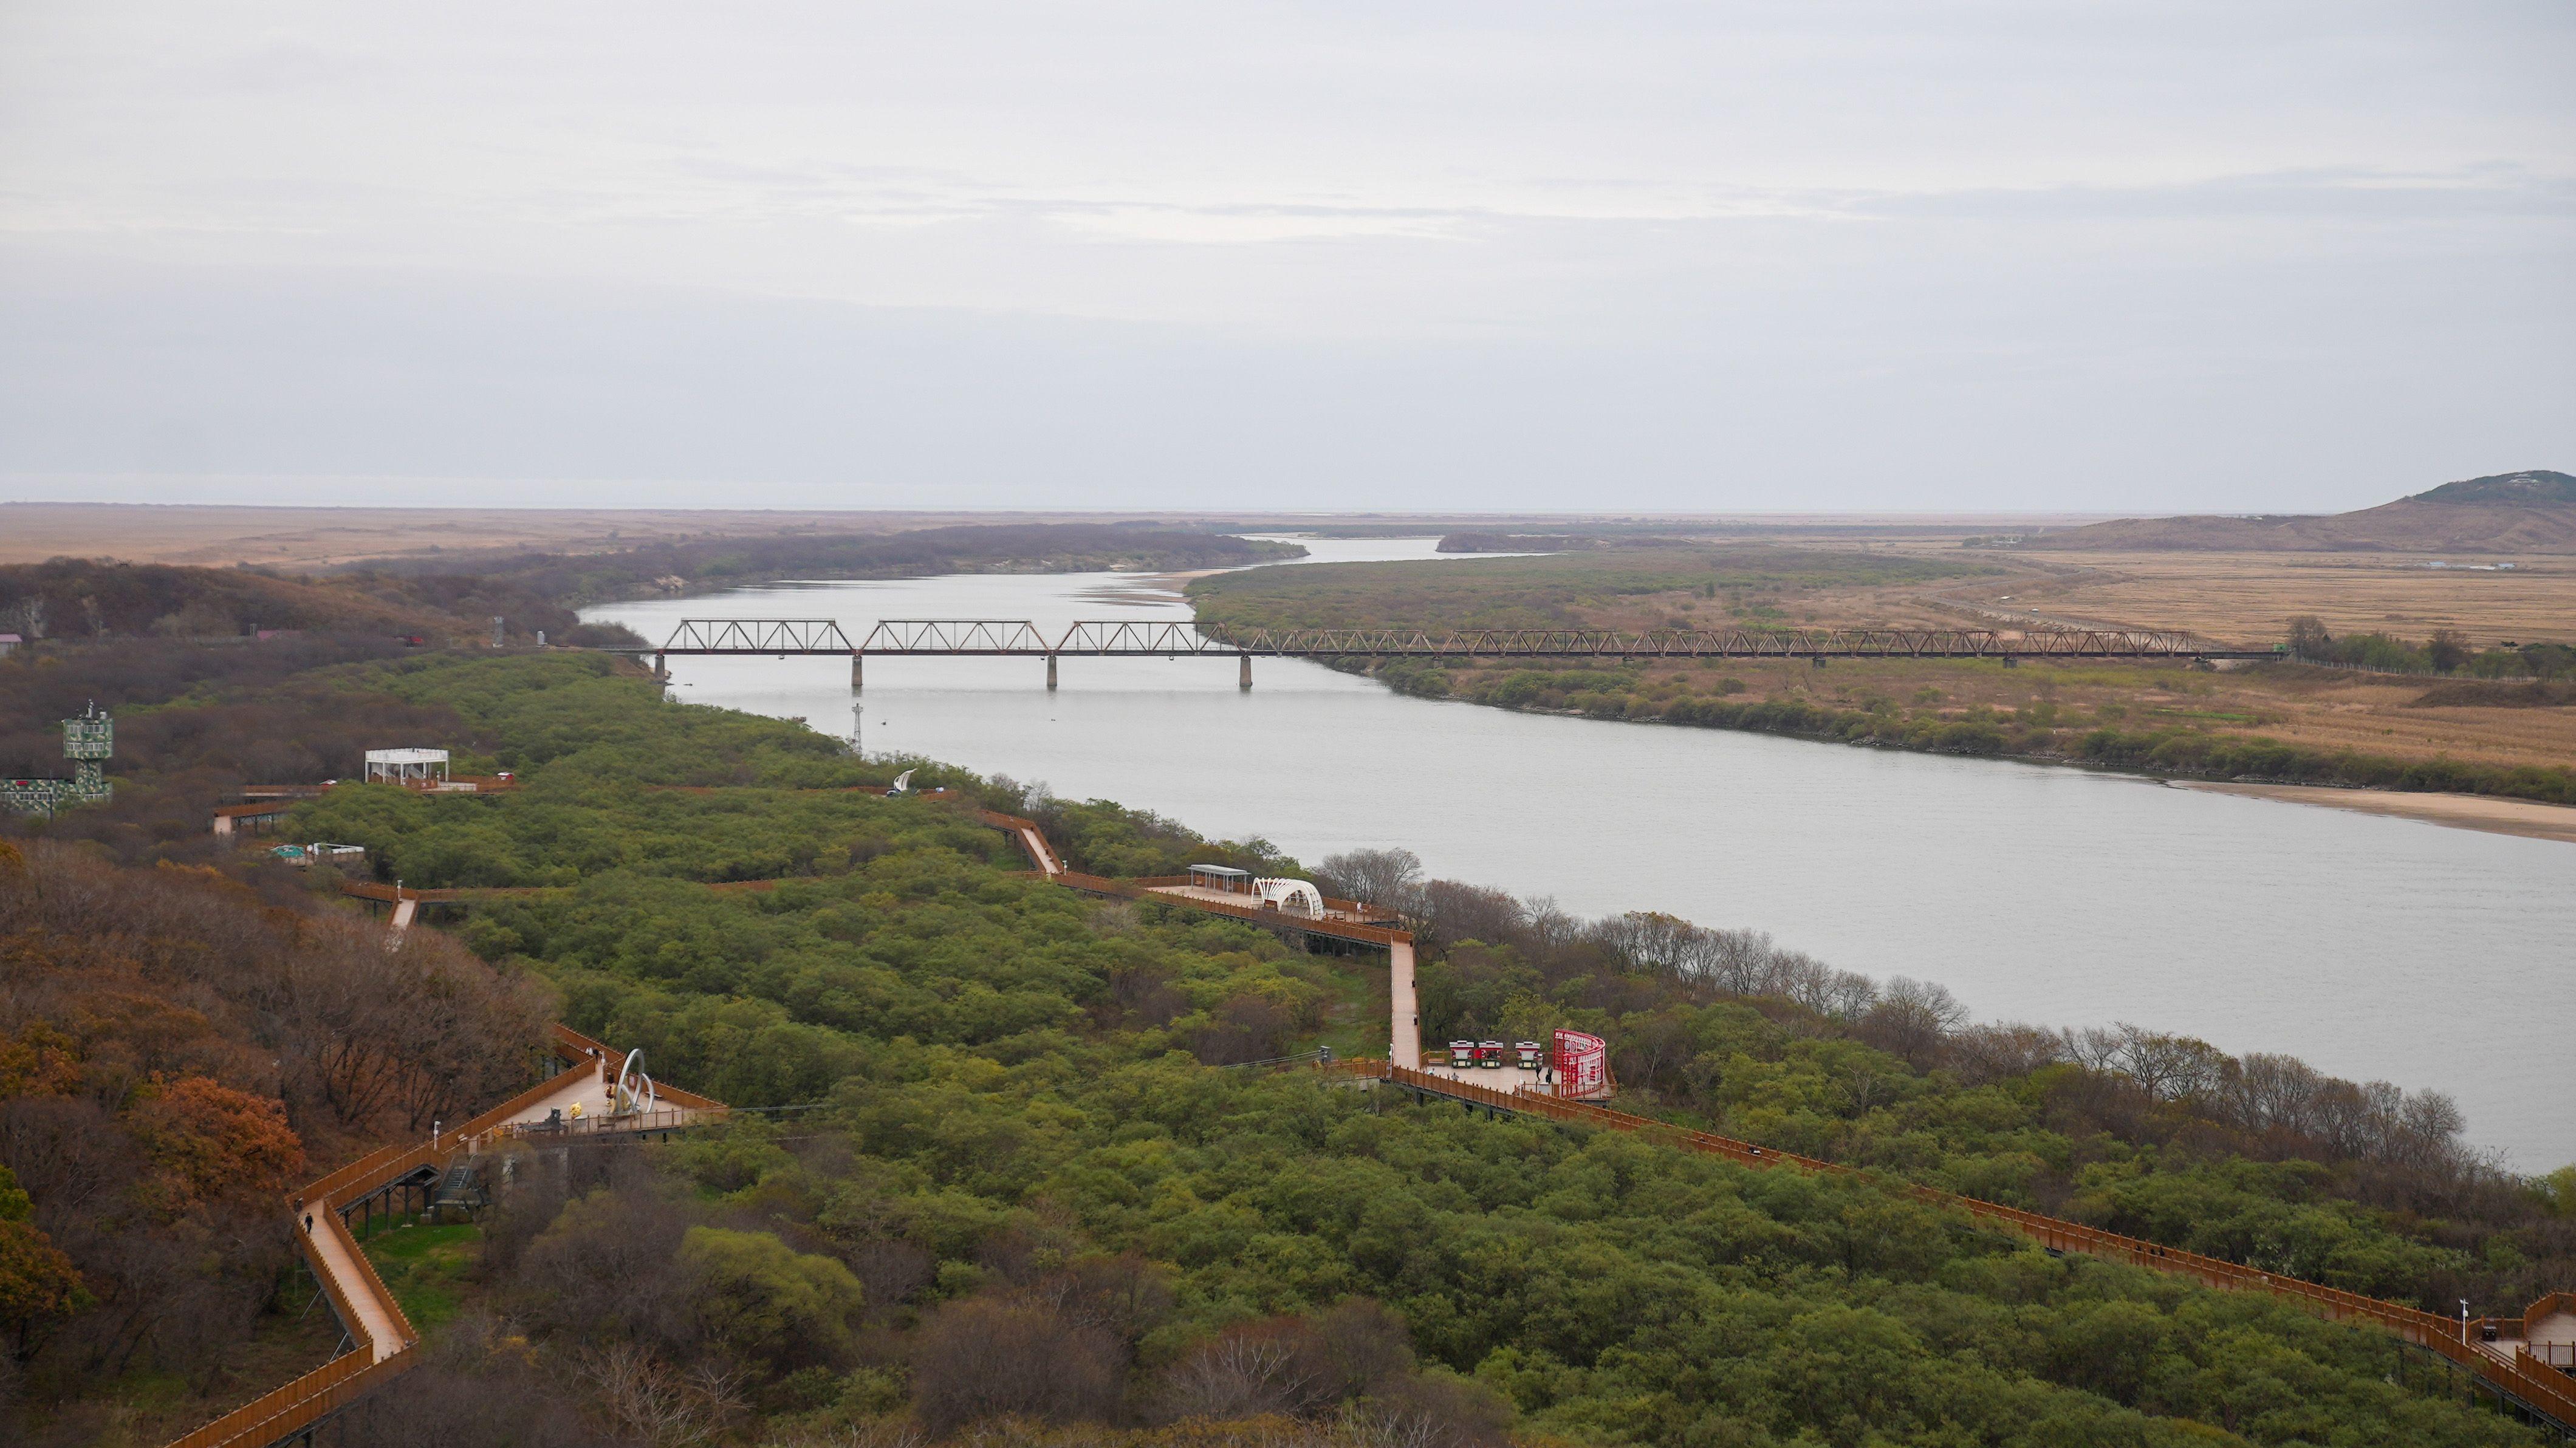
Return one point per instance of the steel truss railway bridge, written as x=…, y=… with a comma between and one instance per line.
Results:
x=1135, y=638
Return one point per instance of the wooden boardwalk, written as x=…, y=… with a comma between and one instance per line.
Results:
x=382, y=1337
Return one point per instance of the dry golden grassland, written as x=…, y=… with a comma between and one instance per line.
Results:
x=2317, y=708
x=295, y=538
x=2251, y=597
x=1915, y=581
x=2236, y=598
x=2239, y=598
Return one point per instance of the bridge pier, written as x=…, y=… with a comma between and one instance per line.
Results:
x=1050, y=671
x=856, y=677
x=1244, y=681
x=662, y=671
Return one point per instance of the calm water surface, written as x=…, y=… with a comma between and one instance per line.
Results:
x=2374, y=948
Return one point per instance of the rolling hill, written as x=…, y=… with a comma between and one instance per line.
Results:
x=2533, y=511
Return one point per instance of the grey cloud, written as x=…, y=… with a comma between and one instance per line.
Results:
x=2476, y=193
x=1740, y=253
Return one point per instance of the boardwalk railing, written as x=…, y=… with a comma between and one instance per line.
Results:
x=631, y=1123
x=301, y=1403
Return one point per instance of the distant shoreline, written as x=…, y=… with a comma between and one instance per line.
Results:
x=2528, y=818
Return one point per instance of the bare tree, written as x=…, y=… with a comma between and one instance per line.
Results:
x=985, y=1357
x=645, y=1398
x=1277, y=1366
x=1547, y=927
x=2001, y=1052
x=1452, y=912
x=1388, y=878
x=2309, y=639
x=2167, y=1067
x=1913, y=1019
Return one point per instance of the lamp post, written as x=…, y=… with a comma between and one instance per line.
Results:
x=2464, y=1322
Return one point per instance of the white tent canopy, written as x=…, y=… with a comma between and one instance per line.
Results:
x=1292, y=897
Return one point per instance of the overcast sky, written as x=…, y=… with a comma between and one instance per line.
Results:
x=1805, y=255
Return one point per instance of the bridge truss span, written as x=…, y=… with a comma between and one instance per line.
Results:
x=1142, y=638
x=1016, y=637
x=758, y=636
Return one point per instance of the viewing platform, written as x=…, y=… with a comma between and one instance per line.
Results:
x=1240, y=889
x=2545, y=1334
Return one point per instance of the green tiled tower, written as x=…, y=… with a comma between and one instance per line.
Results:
x=89, y=741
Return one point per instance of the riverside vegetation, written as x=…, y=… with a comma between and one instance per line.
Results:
x=2435, y=714
x=1028, y=1202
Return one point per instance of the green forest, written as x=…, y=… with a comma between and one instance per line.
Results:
x=1019, y=1185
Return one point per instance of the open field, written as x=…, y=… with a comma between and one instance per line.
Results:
x=319, y=537
x=2251, y=597
x=307, y=537
x=1925, y=578
x=2282, y=723
x=1662, y=584
x=2323, y=709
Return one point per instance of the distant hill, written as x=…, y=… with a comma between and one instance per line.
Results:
x=2533, y=511
x=2540, y=485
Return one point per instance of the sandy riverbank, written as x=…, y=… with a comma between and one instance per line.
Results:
x=2460, y=811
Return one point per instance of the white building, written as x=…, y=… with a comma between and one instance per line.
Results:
x=415, y=767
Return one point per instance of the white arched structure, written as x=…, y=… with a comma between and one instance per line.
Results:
x=634, y=1089
x=1291, y=897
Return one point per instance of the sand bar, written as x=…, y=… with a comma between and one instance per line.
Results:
x=2460, y=811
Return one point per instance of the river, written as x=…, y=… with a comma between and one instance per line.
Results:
x=2372, y=947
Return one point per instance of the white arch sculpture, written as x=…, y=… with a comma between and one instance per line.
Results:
x=635, y=1092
